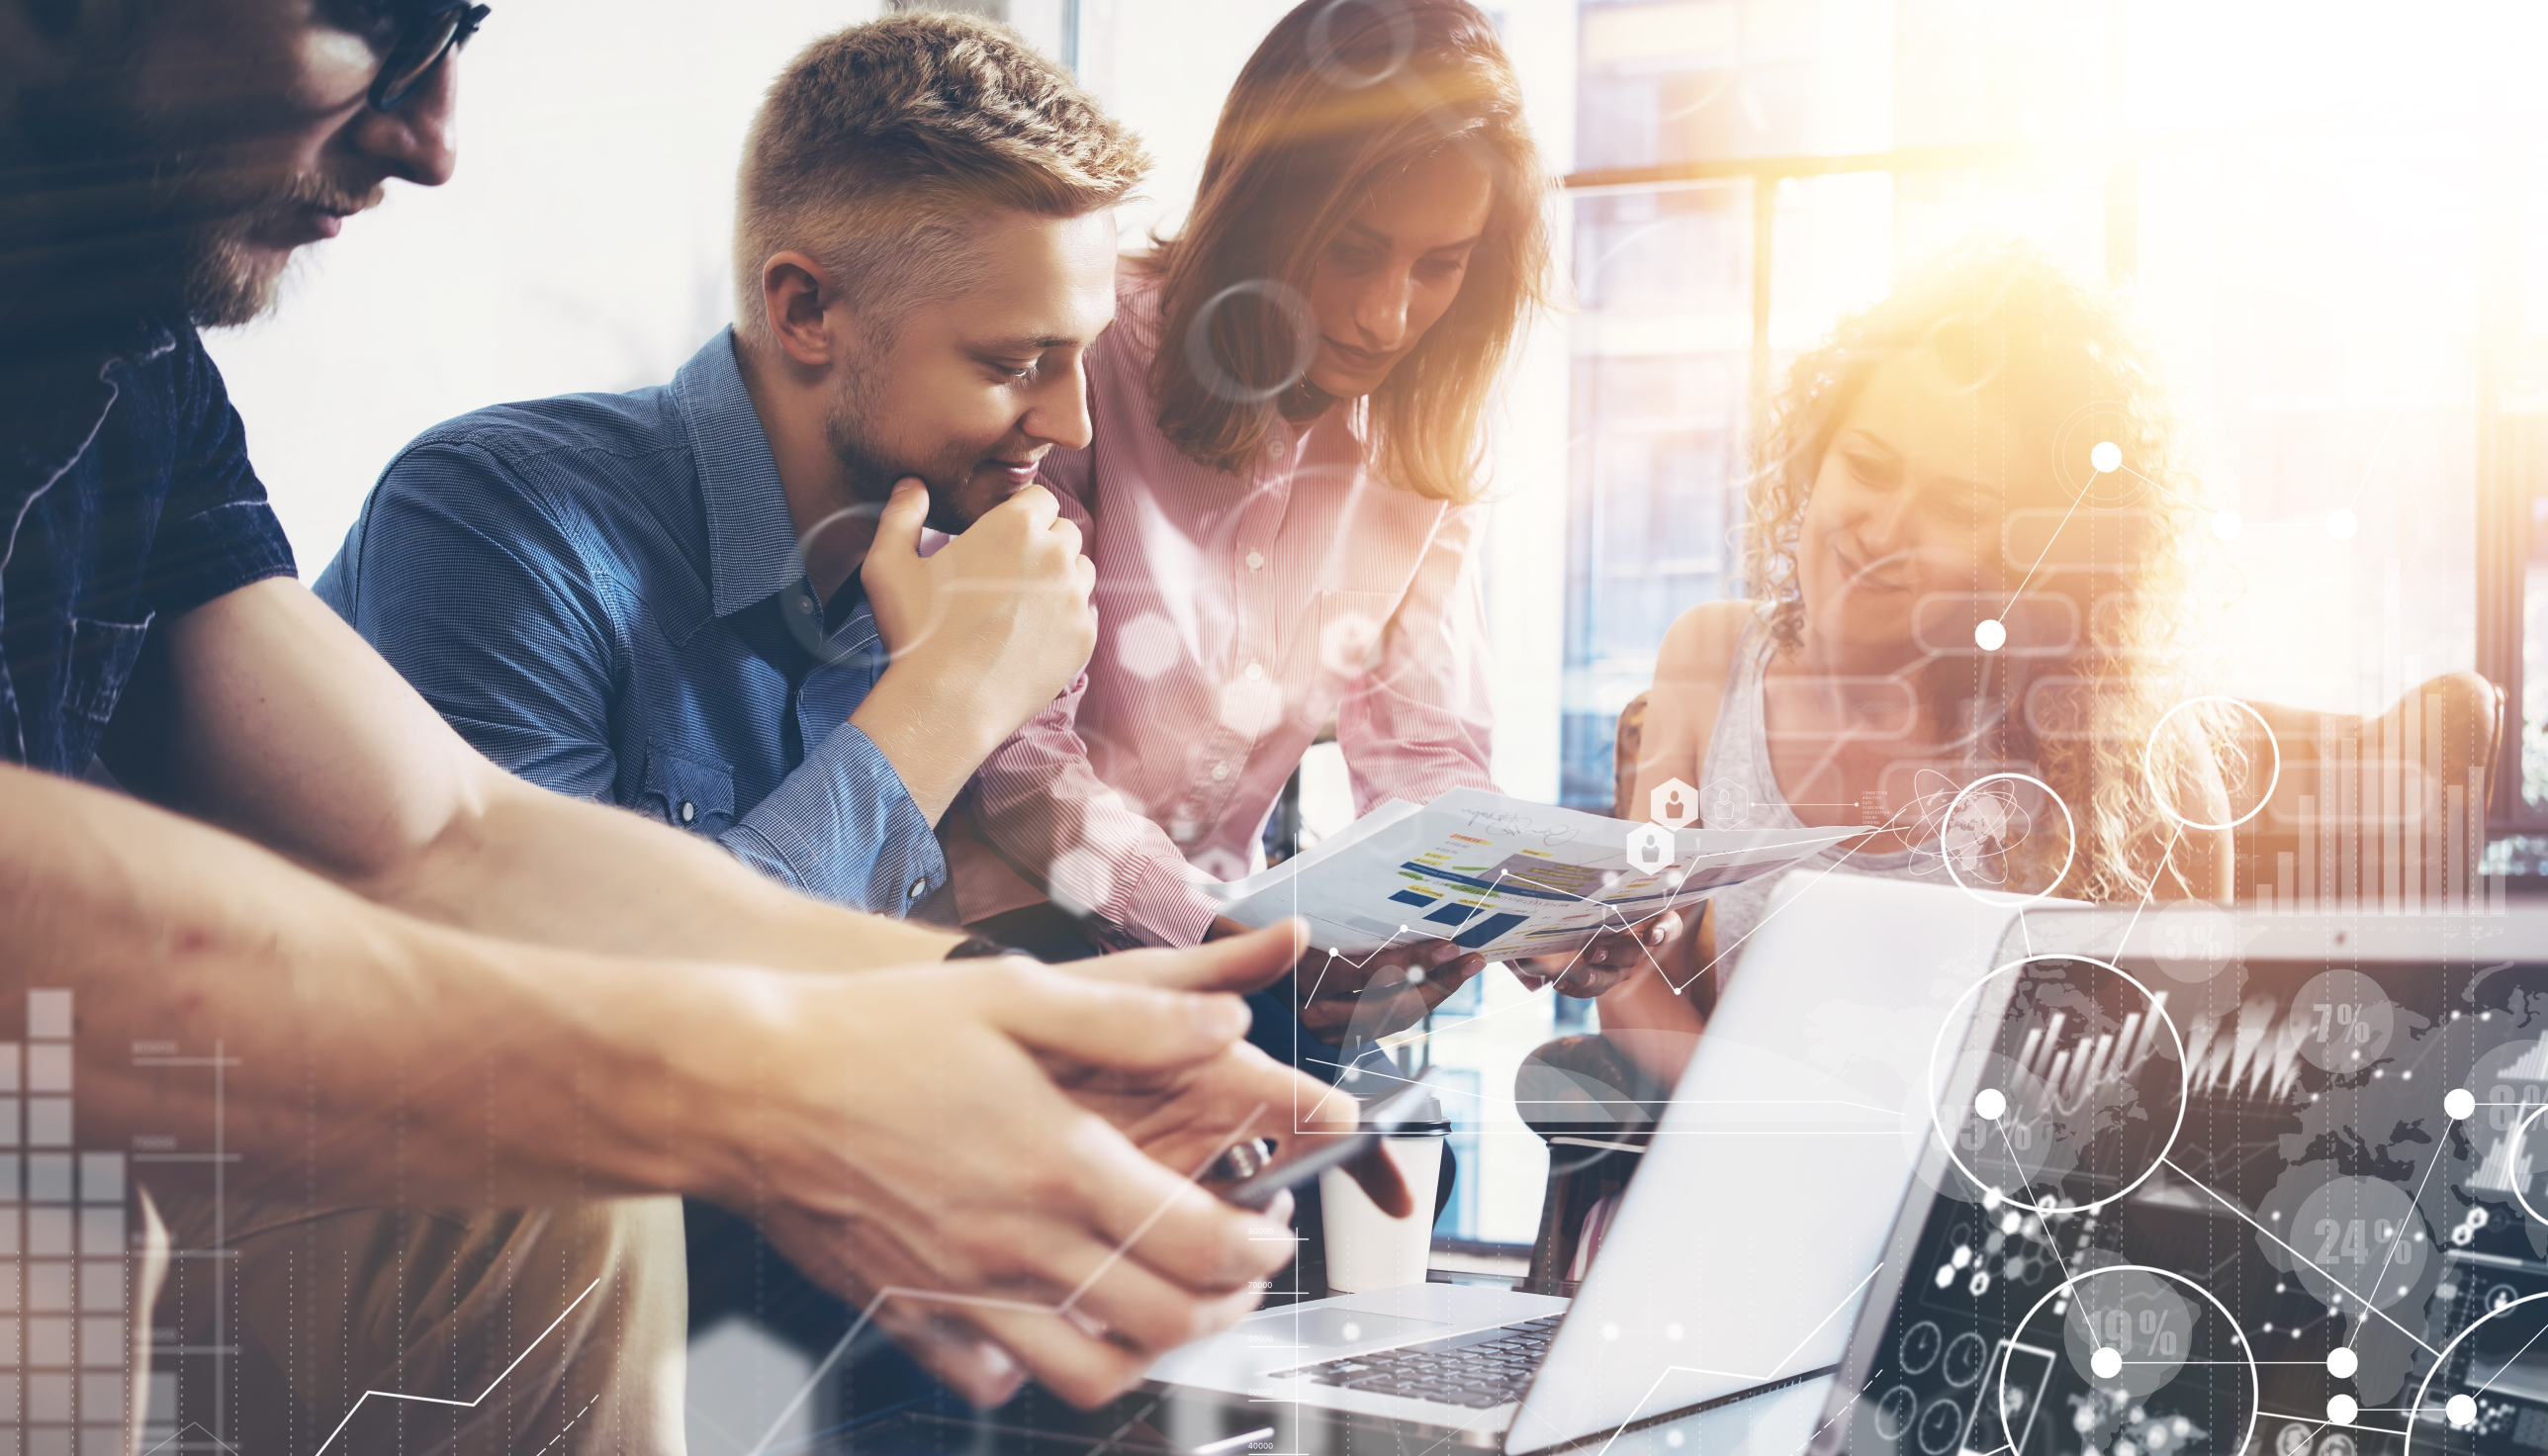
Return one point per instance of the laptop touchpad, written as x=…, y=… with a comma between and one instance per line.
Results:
x=1334, y=1326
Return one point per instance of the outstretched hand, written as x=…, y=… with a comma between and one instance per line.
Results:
x=1612, y=958
x=1183, y=1121
x=900, y=1136
x=1383, y=991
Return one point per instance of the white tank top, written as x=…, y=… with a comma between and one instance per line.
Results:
x=1738, y=790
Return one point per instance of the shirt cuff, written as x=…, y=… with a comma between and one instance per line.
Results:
x=842, y=828
x=1163, y=908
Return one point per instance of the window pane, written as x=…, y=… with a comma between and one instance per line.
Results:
x=2316, y=305
x=1662, y=351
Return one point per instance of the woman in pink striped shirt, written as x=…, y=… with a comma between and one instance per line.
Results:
x=1281, y=497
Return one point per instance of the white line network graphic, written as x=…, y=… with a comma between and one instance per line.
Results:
x=469, y=1405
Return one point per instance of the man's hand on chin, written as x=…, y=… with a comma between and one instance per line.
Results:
x=982, y=634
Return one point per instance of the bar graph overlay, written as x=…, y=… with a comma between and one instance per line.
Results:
x=67, y=1349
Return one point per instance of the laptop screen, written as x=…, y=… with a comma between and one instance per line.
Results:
x=1752, y=1231
x=2245, y=1185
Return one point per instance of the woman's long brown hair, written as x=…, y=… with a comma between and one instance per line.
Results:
x=1342, y=97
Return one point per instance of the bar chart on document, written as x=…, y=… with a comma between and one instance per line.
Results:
x=1501, y=877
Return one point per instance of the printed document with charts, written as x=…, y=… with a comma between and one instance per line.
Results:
x=1499, y=875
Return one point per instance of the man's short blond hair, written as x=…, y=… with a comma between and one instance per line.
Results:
x=879, y=150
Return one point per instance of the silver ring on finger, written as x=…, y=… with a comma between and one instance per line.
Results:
x=1244, y=1159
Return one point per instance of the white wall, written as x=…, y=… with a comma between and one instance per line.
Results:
x=1164, y=66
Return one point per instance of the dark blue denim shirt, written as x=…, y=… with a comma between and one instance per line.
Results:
x=126, y=501
x=597, y=590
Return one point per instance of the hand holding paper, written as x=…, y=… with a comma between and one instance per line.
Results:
x=1500, y=877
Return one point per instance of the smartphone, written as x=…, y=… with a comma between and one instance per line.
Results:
x=1377, y=1120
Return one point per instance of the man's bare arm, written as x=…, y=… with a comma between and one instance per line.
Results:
x=288, y=728
x=334, y=1012
x=378, y=1058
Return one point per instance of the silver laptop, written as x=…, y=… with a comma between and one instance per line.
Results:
x=1744, y=1246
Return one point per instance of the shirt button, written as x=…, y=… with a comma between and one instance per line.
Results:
x=919, y=887
x=1274, y=448
x=1255, y=672
x=689, y=811
x=805, y=604
x=1255, y=561
x=1220, y=772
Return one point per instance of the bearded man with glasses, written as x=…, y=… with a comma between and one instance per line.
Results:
x=419, y=1057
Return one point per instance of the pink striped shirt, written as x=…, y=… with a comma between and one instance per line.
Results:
x=1237, y=616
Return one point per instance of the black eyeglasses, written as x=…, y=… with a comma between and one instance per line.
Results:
x=421, y=45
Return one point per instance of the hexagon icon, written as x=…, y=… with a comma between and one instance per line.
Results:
x=1673, y=804
x=1650, y=847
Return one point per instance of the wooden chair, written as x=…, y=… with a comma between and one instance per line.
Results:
x=2384, y=813
x=2387, y=811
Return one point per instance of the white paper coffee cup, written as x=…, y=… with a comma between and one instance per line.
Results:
x=1368, y=1249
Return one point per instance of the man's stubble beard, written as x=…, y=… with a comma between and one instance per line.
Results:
x=228, y=283
x=868, y=470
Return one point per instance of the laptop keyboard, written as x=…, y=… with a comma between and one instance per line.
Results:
x=1477, y=1372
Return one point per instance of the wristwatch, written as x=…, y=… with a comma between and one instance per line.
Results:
x=981, y=948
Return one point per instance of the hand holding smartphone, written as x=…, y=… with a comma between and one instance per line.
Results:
x=1377, y=1120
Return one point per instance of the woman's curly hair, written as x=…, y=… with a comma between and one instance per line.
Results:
x=2005, y=318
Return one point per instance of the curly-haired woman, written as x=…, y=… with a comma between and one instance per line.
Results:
x=1968, y=527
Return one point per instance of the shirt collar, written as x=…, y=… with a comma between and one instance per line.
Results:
x=53, y=402
x=751, y=539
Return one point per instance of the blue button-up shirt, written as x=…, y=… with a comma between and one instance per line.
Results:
x=125, y=501
x=594, y=590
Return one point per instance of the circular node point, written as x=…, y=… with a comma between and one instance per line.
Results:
x=1990, y=635
x=2341, y=1410
x=1609, y=1331
x=1415, y=976
x=1991, y=1104
x=1674, y=1331
x=2108, y=1363
x=2227, y=524
x=2460, y=1409
x=1402, y=930
x=2340, y=1363
x=2459, y=1102
x=2342, y=525
x=1672, y=1439
x=1351, y=1331
x=2106, y=456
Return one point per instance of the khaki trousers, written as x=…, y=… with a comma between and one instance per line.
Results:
x=542, y=1331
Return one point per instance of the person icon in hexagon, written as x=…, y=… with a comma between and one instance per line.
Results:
x=1650, y=847
x=1673, y=804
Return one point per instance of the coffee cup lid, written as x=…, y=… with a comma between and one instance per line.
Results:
x=1421, y=1115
